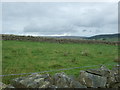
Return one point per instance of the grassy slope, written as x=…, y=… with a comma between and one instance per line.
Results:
x=109, y=39
x=24, y=57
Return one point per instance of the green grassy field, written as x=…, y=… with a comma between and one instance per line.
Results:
x=25, y=57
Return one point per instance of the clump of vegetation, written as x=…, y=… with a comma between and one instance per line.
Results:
x=117, y=59
x=85, y=53
x=57, y=66
x=74, y=60
x=66, y=53
x=100, y=52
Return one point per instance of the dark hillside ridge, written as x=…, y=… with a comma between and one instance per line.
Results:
x=55, y=40
x=105, y=36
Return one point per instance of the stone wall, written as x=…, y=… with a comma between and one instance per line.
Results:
x=92, y=78
x=45, y=39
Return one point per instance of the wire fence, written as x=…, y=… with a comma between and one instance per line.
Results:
x=54, y=70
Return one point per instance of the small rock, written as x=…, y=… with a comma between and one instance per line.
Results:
x=2, y=85
x=9, y=86
x=116, y=85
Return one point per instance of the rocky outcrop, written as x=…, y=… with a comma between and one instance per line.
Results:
x=61, y=80
x=33, y=81
x=92, y=78
x=92, y=81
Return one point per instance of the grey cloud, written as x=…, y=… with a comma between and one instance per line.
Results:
x=60, y=18
x=50, y=28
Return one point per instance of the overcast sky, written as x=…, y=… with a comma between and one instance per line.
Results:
x=50, y=18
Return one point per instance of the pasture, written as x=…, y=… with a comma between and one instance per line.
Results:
x=24, y=57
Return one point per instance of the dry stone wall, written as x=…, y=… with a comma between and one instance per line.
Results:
x=45, y=39
x=92, y=78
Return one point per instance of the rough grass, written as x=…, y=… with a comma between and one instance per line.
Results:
x=25, y=57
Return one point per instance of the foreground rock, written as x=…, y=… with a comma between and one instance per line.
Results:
x=92, y=78
x=101, y=78
x=60, y=80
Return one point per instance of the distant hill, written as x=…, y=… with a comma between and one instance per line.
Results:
x=108, y=37
x=68, y=37
x=105, y=36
